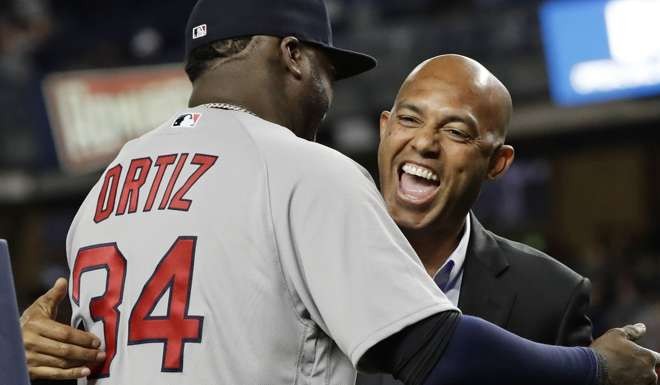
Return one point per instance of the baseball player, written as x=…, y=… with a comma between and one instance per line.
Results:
x=234, y=250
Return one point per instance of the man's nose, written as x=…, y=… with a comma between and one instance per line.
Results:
x=427, y=142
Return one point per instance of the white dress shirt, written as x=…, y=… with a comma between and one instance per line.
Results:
x=450, y=276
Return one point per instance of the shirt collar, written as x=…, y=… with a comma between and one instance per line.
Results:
x=454, y=264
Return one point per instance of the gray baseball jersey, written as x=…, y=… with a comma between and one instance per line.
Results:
x=222, y=249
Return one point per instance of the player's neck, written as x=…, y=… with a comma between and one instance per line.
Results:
x=435, y=245
x=264, y=111
x=240, y=92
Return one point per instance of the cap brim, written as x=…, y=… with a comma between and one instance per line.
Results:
x=348, y=63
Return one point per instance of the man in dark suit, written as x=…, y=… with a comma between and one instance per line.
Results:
x=444, y=137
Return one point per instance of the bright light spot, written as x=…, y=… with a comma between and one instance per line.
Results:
x=610, y=75
x=633, y=29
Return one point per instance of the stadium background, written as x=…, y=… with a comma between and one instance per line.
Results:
x=585, y=186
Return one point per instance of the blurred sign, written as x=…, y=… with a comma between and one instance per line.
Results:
x=94, y=113
x=601, y=50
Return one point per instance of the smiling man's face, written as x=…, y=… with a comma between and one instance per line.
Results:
x=441, y=140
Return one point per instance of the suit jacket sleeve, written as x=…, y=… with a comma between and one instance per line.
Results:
x=575, y=328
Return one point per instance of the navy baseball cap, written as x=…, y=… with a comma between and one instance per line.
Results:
x=213, y=20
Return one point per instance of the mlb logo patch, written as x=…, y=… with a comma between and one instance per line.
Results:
x=187, y=120
x=199, y=31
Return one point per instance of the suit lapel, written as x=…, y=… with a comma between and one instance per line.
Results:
x=483, y=293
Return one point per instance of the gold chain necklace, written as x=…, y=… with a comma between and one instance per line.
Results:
x=230, y=107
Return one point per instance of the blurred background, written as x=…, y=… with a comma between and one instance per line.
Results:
x=80, y=78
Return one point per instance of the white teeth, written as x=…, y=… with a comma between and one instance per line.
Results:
x=419, y=171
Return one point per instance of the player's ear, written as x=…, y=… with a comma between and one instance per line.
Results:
x=500, y=161
x=291, y=52
x=384, y=119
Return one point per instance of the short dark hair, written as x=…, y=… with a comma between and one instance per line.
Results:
x=201, y=58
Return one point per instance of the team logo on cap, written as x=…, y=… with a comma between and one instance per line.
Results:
x=187, y=120
x=199, y=31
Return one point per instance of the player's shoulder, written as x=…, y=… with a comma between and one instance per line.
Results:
x=326, y=166
x=320, y=157
x=285, y=152
x=526, y=259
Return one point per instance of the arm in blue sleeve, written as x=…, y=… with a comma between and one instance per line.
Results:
x=451, y=349
x=482, y=353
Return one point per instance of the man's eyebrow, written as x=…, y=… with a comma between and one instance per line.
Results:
x=410, y=106
x=461, y=117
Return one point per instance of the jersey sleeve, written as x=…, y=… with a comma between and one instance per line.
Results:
x=349, y=264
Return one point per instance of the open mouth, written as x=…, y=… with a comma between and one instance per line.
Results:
x=417, y=184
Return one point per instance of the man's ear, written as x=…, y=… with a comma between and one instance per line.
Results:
x=292, y=55
x=384, y=118
x=500, y=161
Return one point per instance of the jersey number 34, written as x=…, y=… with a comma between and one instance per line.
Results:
x=173, y=273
